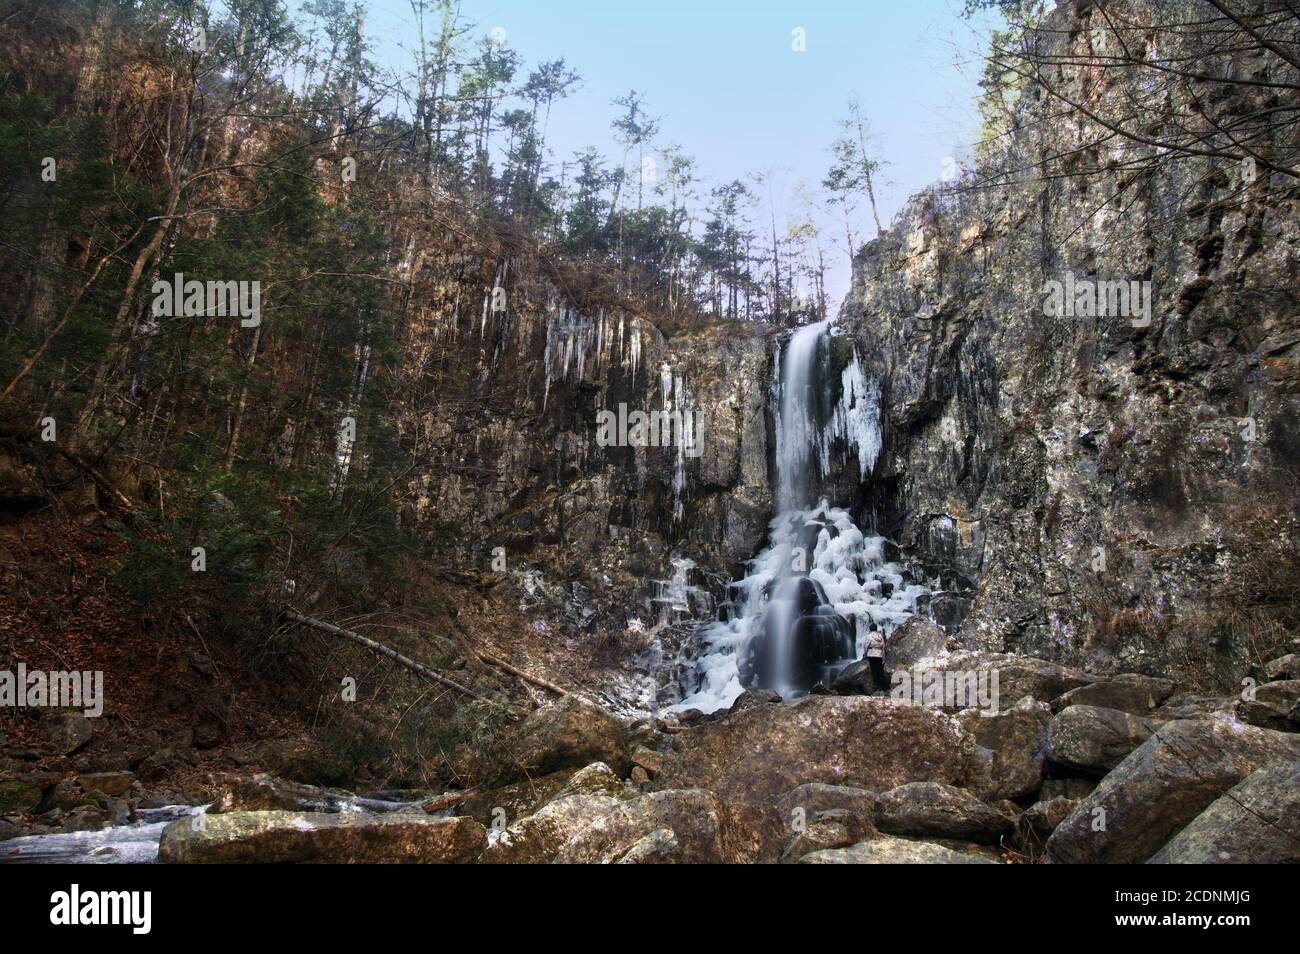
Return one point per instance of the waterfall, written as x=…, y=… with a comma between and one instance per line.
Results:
x=807, y=604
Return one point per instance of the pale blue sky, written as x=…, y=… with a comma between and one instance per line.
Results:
x=730, y=90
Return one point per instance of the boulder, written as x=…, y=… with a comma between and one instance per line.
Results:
x=1019, y=676
x=264, y=793
x=755, y=697
x=596, y=779
x=1162, y=785
x=704, y=830
x=12, y=828
x=1271, y=704
x=1130, y=692
x=855, y=679
x=1257, y=821
x=515, y=800
x=648, y=759
x=1017, y=740
x=85, y=818
x=760, y=754
x=110, y=783
x=826, y=830
x=884, y=850
x=67, y=795
x=66, y=729
x=942, y=811
x=659, y=847
x=1093, y=739
x=1186, y=705
x=538, y=838
x=319, y=837
x=19, y=795
x=571, y=733
x=1284, y=667
x=918, y=638
x=814, y=798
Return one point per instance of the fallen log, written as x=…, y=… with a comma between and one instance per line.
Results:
x=383, y=650
x=450, y=800
x=492, y=660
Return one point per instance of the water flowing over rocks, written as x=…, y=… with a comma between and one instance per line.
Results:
x=818, y=780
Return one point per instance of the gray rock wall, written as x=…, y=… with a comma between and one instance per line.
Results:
x=1122, y=497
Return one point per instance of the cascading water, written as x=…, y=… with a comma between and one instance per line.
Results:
x=805, y=608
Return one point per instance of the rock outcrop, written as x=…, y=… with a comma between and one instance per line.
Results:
x=1016, y=741
x=760, y=754
x=1095, y=490
x=886, y=850
x=1162, y=785
x=1257, y=821
x=571, y=733
x=928, y=809
x=1093, y=739
x=677, y=826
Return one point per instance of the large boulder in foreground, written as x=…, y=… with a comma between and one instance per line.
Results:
x=940, y=811
x=537, y=838
x=885, y=850
x=678, y=827
x=1017, y=740
x=1163, y=784
x=571, y=733
x=318, y=837
x=871, y=743
x=1094, y=739
x=1256, y=822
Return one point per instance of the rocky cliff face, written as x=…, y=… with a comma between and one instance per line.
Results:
x=538, y=479
x=1109, y=491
